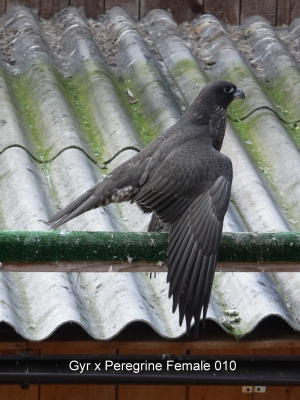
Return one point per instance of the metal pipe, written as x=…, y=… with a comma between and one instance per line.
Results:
x=150, y=369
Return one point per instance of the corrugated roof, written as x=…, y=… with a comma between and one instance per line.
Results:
x=78, y=95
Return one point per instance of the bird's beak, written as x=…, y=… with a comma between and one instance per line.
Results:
x=239, y=94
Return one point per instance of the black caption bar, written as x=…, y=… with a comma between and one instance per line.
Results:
x=149, y=369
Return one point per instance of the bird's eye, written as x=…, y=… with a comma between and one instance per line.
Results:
x=228, y=89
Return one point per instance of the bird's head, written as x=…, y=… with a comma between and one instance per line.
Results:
x=220, y=93
x=214, y=98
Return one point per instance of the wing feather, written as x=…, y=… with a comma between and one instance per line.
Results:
x=192, y=197
x=191, y=301
x=191, y=277
x=171, y=212
x=180, y=260
x=177, y=291
x=177, y=234
x=198, y=306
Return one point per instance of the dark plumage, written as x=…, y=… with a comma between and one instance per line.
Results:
x=186, y=181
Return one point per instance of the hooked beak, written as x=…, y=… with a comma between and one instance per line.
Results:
x=239, y=94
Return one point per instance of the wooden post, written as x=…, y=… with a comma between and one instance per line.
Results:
x=226, y=11
x=34, y=4
x=287, y=10
x=266, y=9
x=92, y=8
x=132, y=7
x=51, y=7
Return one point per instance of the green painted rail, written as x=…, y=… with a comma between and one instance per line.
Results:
x=43, y=247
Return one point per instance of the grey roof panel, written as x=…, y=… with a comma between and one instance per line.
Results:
x=85, y=92
x=98, y=83
x=11, y=130
x=72, y=173
x=256, y=296
x=142, y=71
x=248, y=191
x=24, y=196
x=182, y=64
x=276, y=68
x=35, y=70
x=271, y=141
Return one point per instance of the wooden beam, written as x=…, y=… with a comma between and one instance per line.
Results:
x=91, y=8
x=181, y=10
x=34, y=4
x=209, y=343
x=2, y=8
x=51, y=7
x=111, y=266
x=266, y=9
x=227, y=11
x=130, y=6
x=287, y=10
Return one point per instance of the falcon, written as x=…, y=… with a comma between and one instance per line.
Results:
x=184, y=179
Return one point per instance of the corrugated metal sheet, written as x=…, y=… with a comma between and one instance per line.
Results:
x=77, y=94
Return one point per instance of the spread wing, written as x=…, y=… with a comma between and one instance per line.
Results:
x=193, y=249
x=193, y=197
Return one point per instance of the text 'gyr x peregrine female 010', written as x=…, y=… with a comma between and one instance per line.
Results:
x=186, y=181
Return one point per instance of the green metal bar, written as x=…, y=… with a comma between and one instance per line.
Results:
x=23, y=246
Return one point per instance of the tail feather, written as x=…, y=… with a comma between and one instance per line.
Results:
x=80, y=205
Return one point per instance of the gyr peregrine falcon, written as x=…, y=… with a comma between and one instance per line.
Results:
x=186, y=181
